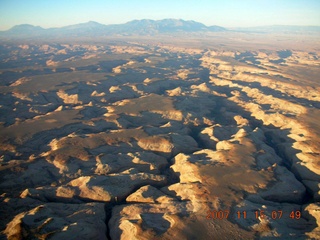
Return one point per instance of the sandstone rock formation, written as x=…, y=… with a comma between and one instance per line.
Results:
x=59, y=221
x=170, y=140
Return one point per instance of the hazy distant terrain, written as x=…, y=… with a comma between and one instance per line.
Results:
x=145, y=27
x=135, y=27
x=211, y=136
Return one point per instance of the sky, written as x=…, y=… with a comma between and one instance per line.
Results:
x=225, y=13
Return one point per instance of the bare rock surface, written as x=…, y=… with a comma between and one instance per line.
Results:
x=287, y=188
x=114, y=187
x=59, y=221
x=144, y=221
x=273, y=220
x=142, y=161
x=160, y=138
x=149, y=194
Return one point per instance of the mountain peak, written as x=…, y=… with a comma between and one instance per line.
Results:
x=25, y=27
x=93, y=23
x=90, y=25
x=169, y=25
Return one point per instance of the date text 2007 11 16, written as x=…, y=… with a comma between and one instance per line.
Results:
x=258, y=214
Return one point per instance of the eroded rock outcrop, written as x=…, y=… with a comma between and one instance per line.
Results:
x=59, y=221
x=113, y=187
x=171, y=142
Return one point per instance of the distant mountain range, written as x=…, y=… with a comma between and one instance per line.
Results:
x=137, y=27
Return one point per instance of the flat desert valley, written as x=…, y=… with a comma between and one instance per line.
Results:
x=210, y=136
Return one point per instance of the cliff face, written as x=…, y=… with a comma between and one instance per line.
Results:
x=146, y=141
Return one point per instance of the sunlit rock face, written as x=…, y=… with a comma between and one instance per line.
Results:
x=187, y=139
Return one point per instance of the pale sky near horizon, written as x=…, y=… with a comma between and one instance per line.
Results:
x=225, y=13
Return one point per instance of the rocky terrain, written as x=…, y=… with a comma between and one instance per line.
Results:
x=159, y=140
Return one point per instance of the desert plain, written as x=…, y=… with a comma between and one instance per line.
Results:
x=210, y=136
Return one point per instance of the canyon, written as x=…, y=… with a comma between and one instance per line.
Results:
x=211, y=137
